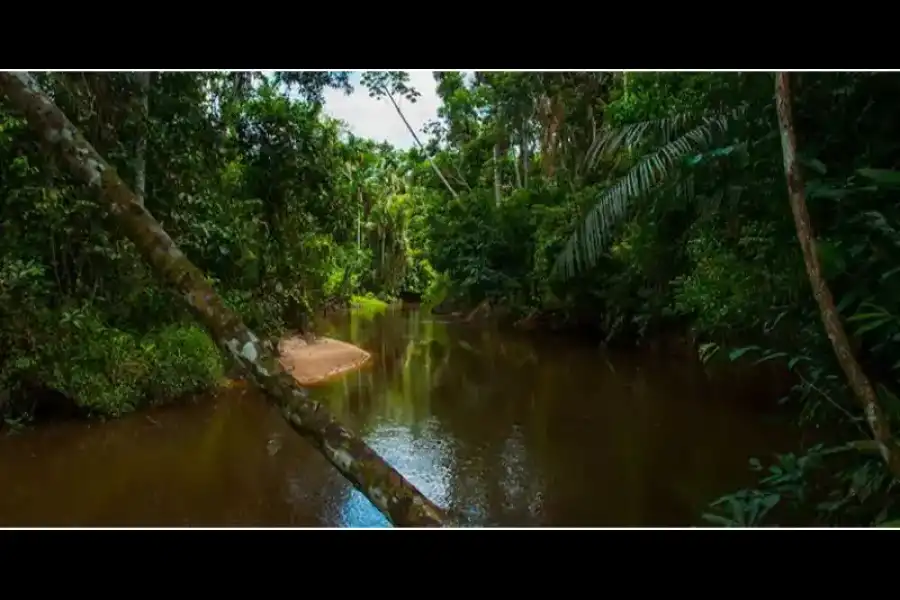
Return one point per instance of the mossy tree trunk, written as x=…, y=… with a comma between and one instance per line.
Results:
x=402, y=503
x=856, y=377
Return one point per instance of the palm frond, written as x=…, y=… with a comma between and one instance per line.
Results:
x=586, y=245
x=610, y=140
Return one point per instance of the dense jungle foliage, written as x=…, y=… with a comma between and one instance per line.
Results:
x=628, y=205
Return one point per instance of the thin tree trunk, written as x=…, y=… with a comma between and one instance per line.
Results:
x=359, y=208
x=497, y=174
x=516, y=169
x=526, y=166
x=402, y=503
x=859, y=382
x=140, y=153
x=421, y=145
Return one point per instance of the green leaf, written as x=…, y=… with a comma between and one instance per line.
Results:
x=889, y=273
x=828, y=193
x=771, y=356
x=892, y=524
x=866, y=316
x=718, y=520
x=795, y=361
x=770, y=501
x=845, y=302
x=739, y=352
x=884, y=177
x=814, y=164
x=23, y=362
x=873, y=325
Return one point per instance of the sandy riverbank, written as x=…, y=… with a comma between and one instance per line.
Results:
x=320, y=361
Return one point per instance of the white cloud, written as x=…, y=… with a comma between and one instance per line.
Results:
x=376, y=118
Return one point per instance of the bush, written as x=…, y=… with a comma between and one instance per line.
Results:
x=108, y=371
x=102, y=368
x=182, y=360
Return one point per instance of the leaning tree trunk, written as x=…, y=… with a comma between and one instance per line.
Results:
x=412, y=132
x=402, y=503
x=859, y=383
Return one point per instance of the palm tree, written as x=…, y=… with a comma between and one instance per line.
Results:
x=678, y=137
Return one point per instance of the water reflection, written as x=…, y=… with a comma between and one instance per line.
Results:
x=504, y=429
x=499, y=428
x=423, y=457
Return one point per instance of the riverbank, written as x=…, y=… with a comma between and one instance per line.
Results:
x=309, y=359
x=317, y=361
x=603, y=438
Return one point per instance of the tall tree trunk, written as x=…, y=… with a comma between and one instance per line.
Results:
x=140, y=153
x=402, y=503
x=516, y=169
x=497, y=174
x=359, y=209
x=552, y=119
x=526, y=156
x=241, y=84
x=859, y=382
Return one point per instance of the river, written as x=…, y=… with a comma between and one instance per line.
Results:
x=502, y=428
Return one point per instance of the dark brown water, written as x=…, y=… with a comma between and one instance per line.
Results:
x=499, y=427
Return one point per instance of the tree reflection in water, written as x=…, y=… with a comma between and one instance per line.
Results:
x=504, y=429
x=499, y=427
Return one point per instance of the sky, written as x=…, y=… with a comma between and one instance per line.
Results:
x=377, y=119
